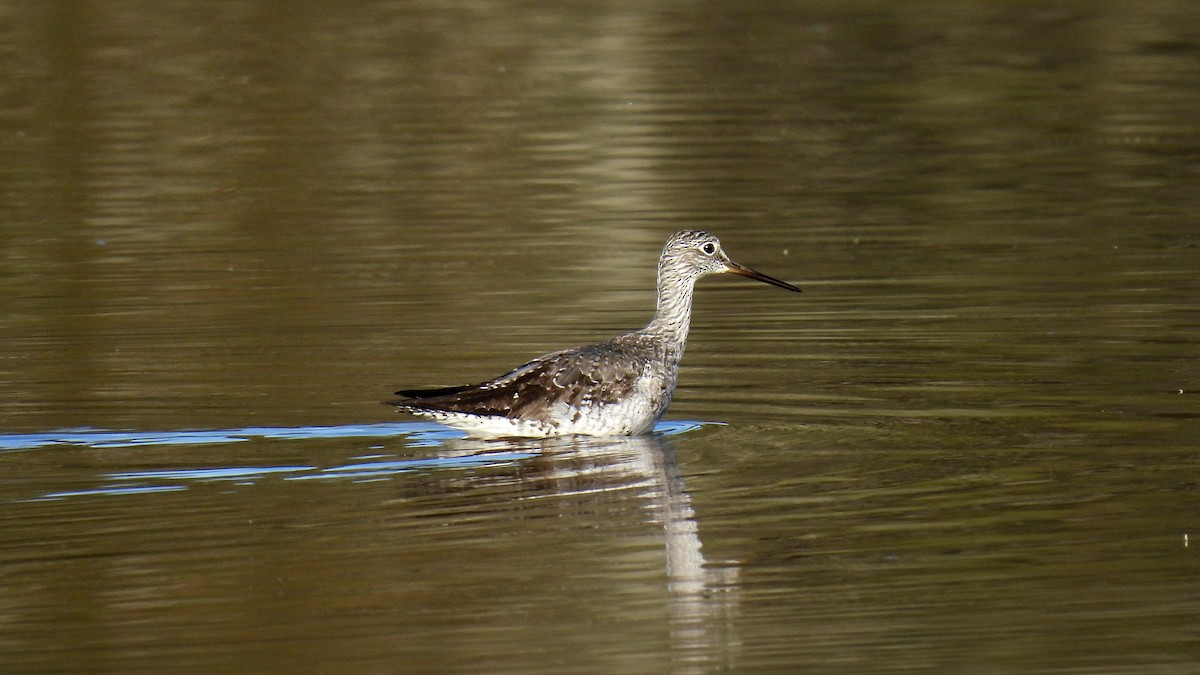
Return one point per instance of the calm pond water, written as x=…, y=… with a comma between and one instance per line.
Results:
x=971, y=445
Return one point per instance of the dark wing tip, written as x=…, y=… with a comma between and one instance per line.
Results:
x=431, y=393
x=410, y=397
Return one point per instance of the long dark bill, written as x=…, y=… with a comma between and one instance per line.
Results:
x=735, y=268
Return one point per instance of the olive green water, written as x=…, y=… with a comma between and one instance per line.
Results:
x=971, y=445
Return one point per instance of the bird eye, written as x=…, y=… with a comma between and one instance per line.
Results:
x=709, y=249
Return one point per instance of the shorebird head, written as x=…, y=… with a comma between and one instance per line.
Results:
x=695, y=253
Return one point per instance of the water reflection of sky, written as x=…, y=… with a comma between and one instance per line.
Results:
x=465, y=453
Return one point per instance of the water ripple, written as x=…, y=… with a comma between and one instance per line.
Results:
x=421, y=433
x=465, y=454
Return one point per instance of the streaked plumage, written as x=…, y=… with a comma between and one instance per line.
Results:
x=616, y=388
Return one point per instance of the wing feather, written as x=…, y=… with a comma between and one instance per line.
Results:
x=594, y=375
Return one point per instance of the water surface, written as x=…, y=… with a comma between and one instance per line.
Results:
x=227, y=231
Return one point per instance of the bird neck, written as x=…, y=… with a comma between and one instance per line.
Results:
x=673, y=314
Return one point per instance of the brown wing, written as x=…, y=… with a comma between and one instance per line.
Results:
x=600, y=373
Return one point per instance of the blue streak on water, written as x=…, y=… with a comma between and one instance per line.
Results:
x=419, y=434
x=416, y=434
x=422, y=433
x=677, y=427
x=117, y=490
x=230, y=473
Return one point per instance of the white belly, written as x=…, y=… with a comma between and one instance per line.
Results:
x=635, y=414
